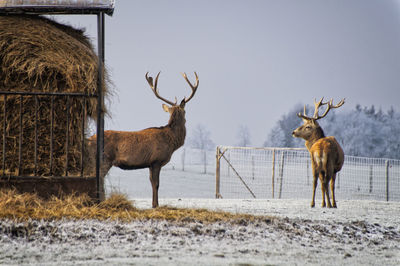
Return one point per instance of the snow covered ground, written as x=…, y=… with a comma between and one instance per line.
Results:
x=358, y=232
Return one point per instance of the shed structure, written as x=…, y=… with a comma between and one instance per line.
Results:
x=49, y=103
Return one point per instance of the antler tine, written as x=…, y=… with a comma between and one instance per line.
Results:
x=339, y=103
x=155, y=89
x=304, y=115
x=317, y=106
x=194, y=87
x=330, y=105
x=149, y=80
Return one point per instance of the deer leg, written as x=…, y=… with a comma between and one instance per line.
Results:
x=315, y=182
x=155, y=182
x=323, y=186
x=333, y=190
x=105, y=167
x=327, y=192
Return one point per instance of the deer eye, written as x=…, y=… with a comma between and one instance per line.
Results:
x=308, y=127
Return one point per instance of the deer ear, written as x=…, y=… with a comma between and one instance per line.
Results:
x=183, y=102
x=166, y=108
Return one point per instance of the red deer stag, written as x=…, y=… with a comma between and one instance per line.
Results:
x=152, y=147
x=326, y=154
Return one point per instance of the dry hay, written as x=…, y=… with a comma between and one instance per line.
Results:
x=26, y=206
x=40, y=55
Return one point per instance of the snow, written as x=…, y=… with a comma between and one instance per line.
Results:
x=358, y=232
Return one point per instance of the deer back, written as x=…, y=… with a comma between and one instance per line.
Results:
x=326, y=155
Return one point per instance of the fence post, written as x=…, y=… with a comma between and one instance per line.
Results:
x=273, y=173
x=183, y=159
x=227, y=166
x=308, y=171
x=252, y=166
x=217, y=174
x=370, y=178
x=387, y=179
x=205, y=160
x=281, y=173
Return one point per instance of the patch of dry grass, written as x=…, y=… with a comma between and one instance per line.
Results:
x=27, y=206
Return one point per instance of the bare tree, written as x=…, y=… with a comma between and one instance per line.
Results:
x=243, y=136
x=201, y=139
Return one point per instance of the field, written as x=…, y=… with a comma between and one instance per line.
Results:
x=357, y=233
x=288, y=232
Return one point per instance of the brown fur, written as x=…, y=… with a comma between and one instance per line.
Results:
x=327, y=157
x=149, y=148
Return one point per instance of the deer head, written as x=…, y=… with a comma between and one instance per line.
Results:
x=174, y=109
x=311, y=129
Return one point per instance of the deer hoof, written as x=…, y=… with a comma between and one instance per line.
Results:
x=312, y=204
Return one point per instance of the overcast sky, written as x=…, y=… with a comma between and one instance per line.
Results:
x=255, y=59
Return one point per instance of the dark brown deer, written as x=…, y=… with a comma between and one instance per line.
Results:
x=149, y=148
x=326, y=154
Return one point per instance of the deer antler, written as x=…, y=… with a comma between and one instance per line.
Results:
x=317, y=105
x=194, y=87
x=155, y=89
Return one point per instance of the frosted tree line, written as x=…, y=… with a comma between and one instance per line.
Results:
x=362, y=131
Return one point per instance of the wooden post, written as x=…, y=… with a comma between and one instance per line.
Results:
x=205, y=161
x=183, y=159
x=227, y=166
x=370, y=178
x=308, y=172
x=217, y=174
x=387, y=180
x=281, y=173
x=252, y=166
x=273, y=173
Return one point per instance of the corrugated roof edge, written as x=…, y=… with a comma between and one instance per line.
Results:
x=57, y=9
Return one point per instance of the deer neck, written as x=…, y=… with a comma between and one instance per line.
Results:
x=178, y=129
x=318, y=134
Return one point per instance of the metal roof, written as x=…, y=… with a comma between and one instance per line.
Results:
x=57, y=6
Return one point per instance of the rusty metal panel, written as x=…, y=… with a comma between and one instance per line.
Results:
x=57, y=6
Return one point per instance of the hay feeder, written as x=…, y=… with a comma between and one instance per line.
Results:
x=51, y=84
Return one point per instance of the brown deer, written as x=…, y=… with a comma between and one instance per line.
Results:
x=149, y=148
x=326, y=154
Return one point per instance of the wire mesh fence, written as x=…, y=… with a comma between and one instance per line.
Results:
x=286, y=173
x=193, y=160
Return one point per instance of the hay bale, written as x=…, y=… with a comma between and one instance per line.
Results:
x=40, y=55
